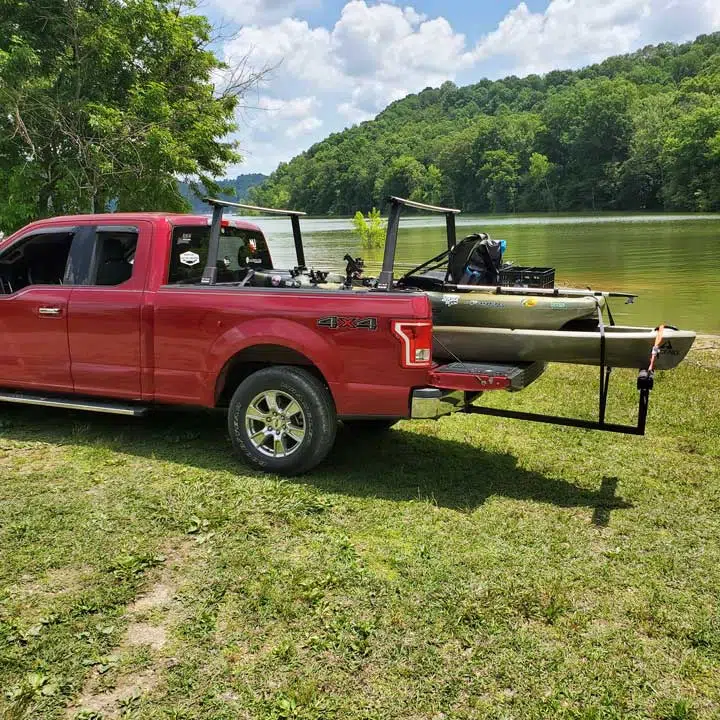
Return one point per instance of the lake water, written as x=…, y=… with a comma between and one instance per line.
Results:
x=671, y=261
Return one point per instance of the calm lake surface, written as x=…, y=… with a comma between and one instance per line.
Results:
x=671, y=261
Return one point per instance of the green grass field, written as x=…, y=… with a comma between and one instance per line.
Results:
x=465, y=568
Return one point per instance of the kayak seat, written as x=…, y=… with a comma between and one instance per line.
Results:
x=431, y=280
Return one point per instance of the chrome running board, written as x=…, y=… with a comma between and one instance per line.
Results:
x=113, y=408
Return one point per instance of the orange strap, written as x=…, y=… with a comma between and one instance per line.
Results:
x=656, y=347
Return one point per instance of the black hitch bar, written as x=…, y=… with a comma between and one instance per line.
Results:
x=645, y=382
x=644, y=385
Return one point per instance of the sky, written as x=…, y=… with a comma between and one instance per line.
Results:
x=336, y=63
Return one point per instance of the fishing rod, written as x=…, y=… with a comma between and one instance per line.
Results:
x=557, y=292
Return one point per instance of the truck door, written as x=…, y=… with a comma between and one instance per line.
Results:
x=104, y=312
x=33, y=310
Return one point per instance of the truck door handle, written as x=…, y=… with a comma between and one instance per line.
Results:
x=49, y=311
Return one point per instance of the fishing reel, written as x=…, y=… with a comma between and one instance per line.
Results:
x=353, y=270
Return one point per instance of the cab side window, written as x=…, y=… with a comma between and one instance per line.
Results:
x=240, y=250
x=39, y=259
x=188, y=255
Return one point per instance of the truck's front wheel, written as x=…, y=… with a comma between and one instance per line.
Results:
x=282, y=419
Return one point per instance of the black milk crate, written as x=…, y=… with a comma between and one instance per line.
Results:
x=519, y=276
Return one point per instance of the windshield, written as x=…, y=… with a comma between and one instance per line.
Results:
x=239, y=250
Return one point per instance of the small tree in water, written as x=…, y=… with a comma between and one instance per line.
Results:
x=371, y=229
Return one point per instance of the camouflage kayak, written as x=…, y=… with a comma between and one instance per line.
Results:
x=532, y=311
x=625, y=346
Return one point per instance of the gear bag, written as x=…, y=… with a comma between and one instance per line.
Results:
x=476, y=260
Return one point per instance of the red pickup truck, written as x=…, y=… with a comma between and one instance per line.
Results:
x=112, y=307
x=118, y=312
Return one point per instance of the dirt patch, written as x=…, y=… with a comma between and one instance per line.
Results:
x=55, y=582
x=144, y=634
x=109, y=704
x=706, y=351
x=158, y=596
x=158, y=601
x=707, y=342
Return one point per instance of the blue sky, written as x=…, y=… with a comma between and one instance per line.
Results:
x=336, y=63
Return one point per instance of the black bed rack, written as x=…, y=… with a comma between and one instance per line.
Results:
x=385, y=279
x=209, y=275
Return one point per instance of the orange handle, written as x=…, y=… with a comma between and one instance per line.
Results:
x=656, y=347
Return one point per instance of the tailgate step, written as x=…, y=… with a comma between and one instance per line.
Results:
x=486, y=376
x=113, y=408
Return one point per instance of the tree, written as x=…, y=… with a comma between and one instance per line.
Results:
x=108, y=102
x=370, y=230
x=693, y=150
x=642, y=176
x=433, y=189
x=405, y=177
x=588, y=131
x=539, y=192
x=499, y=175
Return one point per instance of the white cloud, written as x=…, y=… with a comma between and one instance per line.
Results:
x=374, y=54
x=292, y=118
x=303, y=127
x=386, y=52
x=296, y=51
x=570, y=33
x=328, y=77
x=297, y=107
x=353, y=114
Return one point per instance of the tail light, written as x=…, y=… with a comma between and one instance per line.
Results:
x=416, y=339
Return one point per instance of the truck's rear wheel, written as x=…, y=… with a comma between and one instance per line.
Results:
x=282, y=419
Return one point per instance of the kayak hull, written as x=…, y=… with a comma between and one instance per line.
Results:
x=625, y=346
x=490, y=309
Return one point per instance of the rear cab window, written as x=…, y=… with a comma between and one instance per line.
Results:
x=102, y=255
x=240, y=250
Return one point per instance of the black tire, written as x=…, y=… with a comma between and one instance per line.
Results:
x=305, y=436
x=376, y=425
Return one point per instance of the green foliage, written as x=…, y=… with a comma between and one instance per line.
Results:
x=635, y=132
x=21, y=697
x=235, y=189
x=371, y=230
x=106, y=102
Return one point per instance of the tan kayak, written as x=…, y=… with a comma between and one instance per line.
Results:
x=625, y=346
x=489, y=309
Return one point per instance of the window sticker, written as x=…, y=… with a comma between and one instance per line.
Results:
x=189, y=258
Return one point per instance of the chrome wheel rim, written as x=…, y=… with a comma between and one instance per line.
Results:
x=275, y=423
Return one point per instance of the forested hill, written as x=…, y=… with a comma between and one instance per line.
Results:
x=236, y=190
x=635, y=132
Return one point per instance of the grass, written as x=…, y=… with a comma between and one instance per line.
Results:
x=465, y=568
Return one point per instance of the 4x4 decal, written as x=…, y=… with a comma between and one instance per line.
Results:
x=339, y=322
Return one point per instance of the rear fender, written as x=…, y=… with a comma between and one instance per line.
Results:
x=320, y=350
